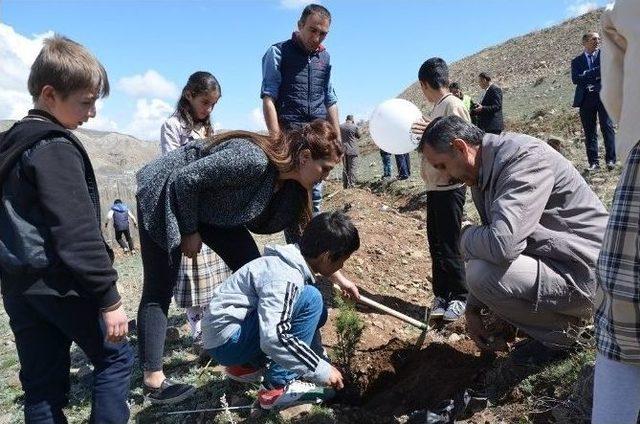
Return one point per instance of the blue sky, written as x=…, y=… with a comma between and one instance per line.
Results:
x=151, y=47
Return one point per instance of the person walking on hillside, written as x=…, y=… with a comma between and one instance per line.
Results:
x=585, y=74
x=350, y=135
x=120, y=214
x=445, y=200
x=616, y=386
x=296, y=80
x=489, y=113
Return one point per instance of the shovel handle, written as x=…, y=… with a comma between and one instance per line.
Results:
x=380, y=307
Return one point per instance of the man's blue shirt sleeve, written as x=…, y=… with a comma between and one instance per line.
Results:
x=271, y=77
x=330, y=97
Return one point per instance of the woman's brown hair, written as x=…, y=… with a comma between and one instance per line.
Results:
x=318, y=136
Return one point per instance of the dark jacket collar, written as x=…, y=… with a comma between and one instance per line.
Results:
x=43, y=114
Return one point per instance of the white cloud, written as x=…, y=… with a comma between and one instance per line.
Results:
x=296, y=4
x=256, y=120
x=101, y=122
x=580, y=7
x=17, y=53
x=149, y=84
x=148, y=118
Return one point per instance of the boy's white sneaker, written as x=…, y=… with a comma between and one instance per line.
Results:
x=455, y=310
x=295, y=393
x=438, y=307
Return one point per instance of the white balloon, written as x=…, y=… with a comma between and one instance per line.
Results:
x=390, y=126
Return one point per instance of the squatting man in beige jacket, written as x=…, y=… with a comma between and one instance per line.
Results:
x=531, y=259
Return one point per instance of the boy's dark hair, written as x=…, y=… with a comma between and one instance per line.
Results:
x=331, y=232
x=444, y=129
x=434, y=72
x=349, y=117
x=117, y=201
x=485, y=76
x=314, y=8
x=454, y=86
x=66, y=66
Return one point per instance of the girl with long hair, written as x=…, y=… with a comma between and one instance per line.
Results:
x=199, y=276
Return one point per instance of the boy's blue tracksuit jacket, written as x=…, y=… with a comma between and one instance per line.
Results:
x=271, y=285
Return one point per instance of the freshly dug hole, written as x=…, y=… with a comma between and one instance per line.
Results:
x=396, y=379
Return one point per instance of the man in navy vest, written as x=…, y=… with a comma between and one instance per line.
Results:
x=585, y=74
x=296, y=80
x=120, y=214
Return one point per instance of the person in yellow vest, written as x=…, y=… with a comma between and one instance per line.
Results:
x=455, y=89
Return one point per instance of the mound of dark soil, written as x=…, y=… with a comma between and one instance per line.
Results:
x=396, y=379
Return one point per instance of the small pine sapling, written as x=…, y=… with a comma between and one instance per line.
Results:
x=349, y=327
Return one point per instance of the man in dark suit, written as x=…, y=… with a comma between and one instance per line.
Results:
x=489, y=113
x=585, y=74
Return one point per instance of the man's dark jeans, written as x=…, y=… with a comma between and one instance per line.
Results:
x=127, y=235
x=444, y=217
x=403, y=162
x=44, y=327
x=590, y=110
x=386, y=163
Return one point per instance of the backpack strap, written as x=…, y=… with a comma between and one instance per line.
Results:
x=10, y=153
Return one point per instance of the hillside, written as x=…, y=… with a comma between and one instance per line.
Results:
x=534, y=70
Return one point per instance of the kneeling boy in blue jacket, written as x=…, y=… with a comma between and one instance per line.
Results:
x=265, y=318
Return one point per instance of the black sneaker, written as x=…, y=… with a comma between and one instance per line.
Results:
x=592, y=168
x=534, y=353
x=169, y=392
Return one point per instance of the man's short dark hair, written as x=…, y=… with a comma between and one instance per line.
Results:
x=349, y=117
x=331, y=232
x=454, y=86
x=117, y=201
x=443, y=130
x=485, y=76
x=314, y=8
x=434, y=72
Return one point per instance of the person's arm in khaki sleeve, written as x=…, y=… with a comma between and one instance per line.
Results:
x=458, y=110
